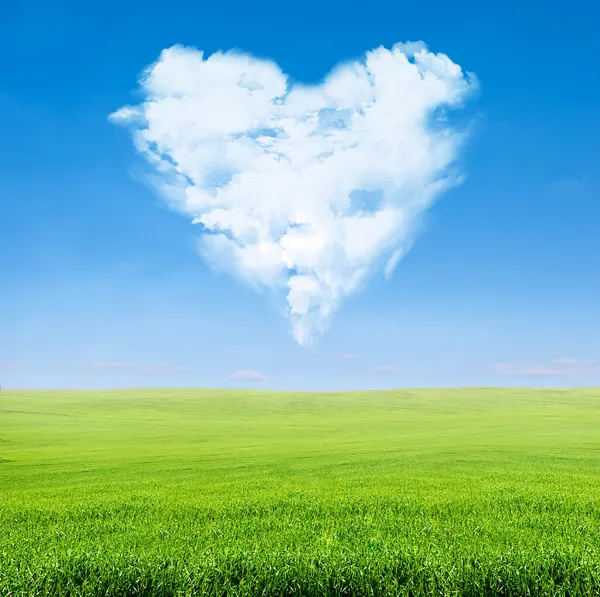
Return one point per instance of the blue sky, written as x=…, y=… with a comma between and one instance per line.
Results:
x=102, y=285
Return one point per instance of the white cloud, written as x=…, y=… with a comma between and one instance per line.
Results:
x=559, y=367
x=248, y=375
x=162, y=369
x=304, y=189
x=387, y=369
x=376, y=371
x=153, y=369
x=109, y=365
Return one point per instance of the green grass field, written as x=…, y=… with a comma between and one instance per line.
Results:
x=181, y=492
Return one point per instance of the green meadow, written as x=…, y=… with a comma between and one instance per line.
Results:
x=206, y=492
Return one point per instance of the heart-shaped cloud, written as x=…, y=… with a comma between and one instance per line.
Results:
x=308, y=189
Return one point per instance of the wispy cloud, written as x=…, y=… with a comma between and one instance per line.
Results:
x=572, y=188
x=308, y=190
x=340, y=356
x=378, y=370
x=559, y=367
x=152, y=369
x=109, y=366
x=162, y=369
x=247, y=375
x=8, y=366
x=387, y=369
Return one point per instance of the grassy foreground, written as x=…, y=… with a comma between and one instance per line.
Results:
x=181, y=492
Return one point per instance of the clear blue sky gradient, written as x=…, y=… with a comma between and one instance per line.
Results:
x=94, y=269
